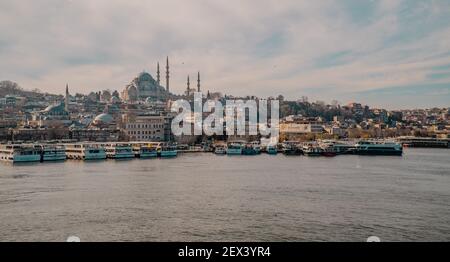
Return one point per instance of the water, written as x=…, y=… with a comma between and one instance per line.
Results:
x=204, y=197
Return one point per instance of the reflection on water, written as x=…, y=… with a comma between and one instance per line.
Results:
x=204, y=197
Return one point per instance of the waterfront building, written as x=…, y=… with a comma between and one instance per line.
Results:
x=144, y=127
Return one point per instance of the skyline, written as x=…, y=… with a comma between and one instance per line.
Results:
x=391, y=53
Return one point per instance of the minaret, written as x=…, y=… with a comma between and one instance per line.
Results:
x=167, y=74
x=188, y=89
x=198, y=82
x=158, y=79
x=66, y=100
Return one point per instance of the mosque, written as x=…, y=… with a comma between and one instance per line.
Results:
x=144, y=87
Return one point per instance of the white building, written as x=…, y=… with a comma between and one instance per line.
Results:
x=144, y=128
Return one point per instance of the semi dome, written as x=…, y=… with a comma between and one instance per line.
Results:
x=103, y=119
x=54, y=108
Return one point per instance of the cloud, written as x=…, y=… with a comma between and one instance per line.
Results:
x=245, y=47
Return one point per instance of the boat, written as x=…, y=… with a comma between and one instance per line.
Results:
x=256, y=147
x=220, y=150
x=119, y=150
x=144, y=150
x=19, y=153
x=53, y=153
x=234, y=148
x=291, y=148
x=367, y=147
x=333, y=147
x=85, y=151
x=167, y=150
x=249, y=150
x=329, y=150
x=312, y=150
x=272, y=149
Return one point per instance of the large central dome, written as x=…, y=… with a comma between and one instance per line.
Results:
x=142, y=87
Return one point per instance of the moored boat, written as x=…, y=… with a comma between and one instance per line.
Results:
x=378, y=148
x=144, y=150
x=85, y=151
x=220, y=150
x=234, y=148
x=272, y=149
x=53, y=153
x=167, y=150
x=291, y=148
x=312, y=150
x=119, y=150
x=249, y=150
x=20, y=153
x=329, y=151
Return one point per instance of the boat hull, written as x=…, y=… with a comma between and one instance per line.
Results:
x=313, y=153
x=168, y=153
x=234, y=152
x=148, y=155
x=272, y=151
x=122, y=156
x=249, y=152
x=292, y=152
x=329, y=154
x=24, y=159
x=95, y=157
x=46, y=158
x=220, y=152
x=379, y=152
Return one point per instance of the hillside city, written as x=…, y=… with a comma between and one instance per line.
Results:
x=141, y=112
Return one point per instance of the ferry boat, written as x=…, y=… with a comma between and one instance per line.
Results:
x=234, y=148
x=86, y=151
x=144, y=150
x=249, y=150
x=119, y=150
x=312, y=150
x=291, y=148
x=272, y=150
x=220, y=150
x=167, y=150
x=333, y=148
x=329, y=150
x=16, y=153
x=53, y=153
x=378, y=148
x=256, y=147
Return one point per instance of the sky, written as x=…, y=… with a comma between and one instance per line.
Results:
x=388, y=53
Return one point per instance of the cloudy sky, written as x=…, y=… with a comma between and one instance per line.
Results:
x=389, y=53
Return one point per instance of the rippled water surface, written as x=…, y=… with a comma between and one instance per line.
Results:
x=203, y=197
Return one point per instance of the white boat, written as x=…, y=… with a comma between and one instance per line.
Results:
x=336, y=147
x=312, y=149
x=88, y=151
x=167, y=150
x=235, y=148
x=119, y=150
x=220, y=150
x=53, y=153
x=18, y=153
x=144, y=150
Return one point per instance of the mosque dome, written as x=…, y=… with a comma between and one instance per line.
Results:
x=103, y=119
x=144, y=76
x=55, y=108
x=115, y=100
